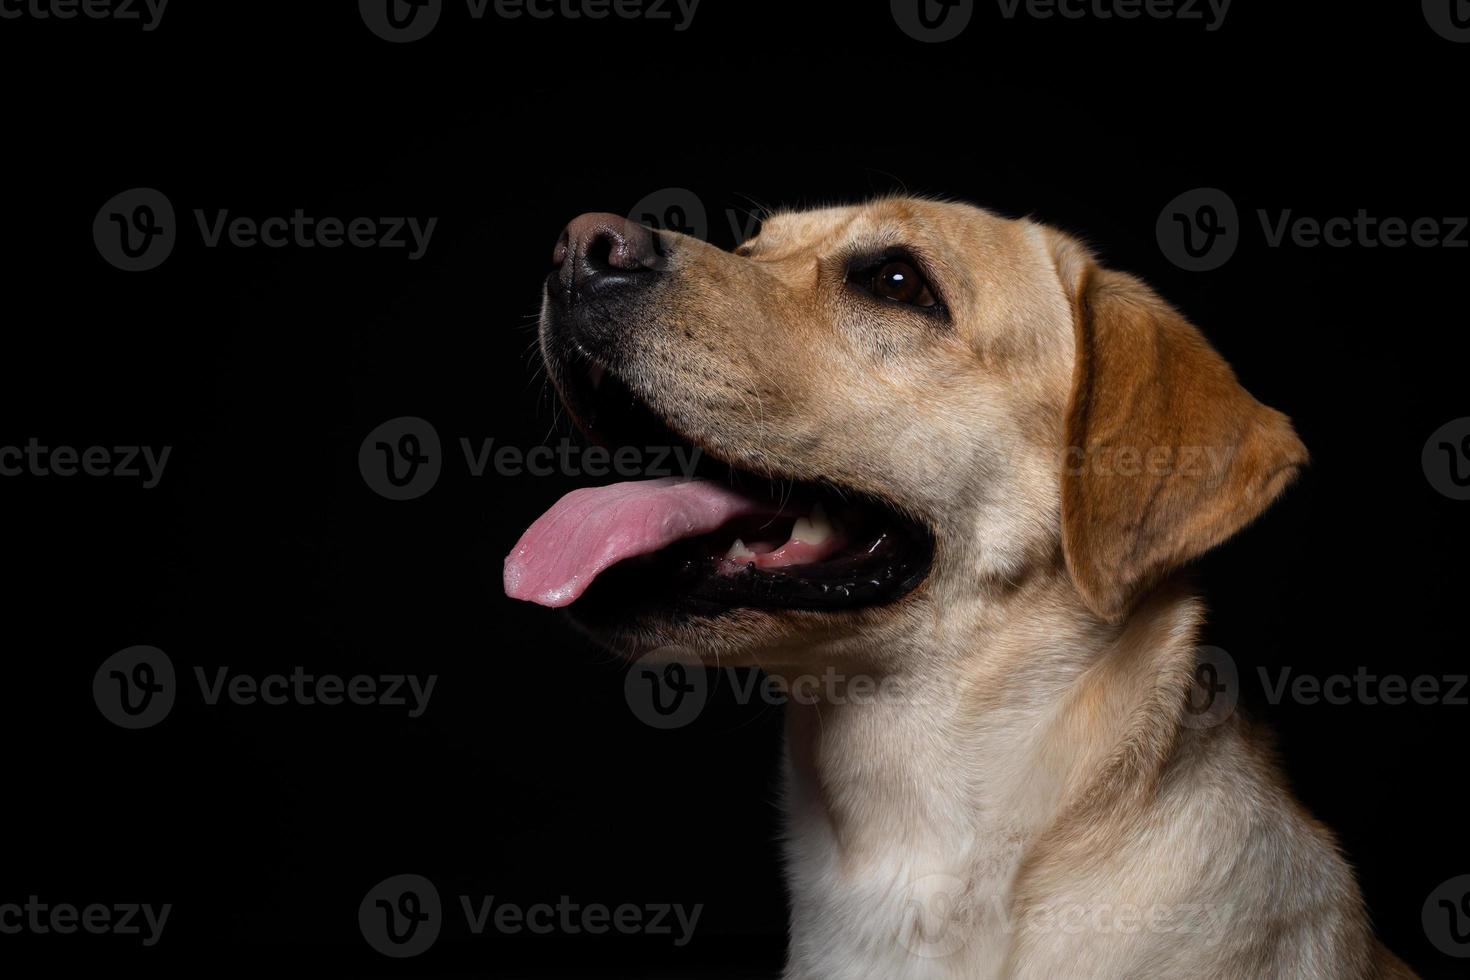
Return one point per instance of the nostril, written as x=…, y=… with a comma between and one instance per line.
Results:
x=599, y=254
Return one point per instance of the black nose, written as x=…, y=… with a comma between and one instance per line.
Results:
x=597, y=252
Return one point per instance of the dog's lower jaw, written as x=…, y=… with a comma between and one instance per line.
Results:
x=1048, y=812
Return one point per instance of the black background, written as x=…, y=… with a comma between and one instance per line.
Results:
x=528, y=778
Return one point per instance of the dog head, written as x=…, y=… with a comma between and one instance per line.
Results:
x=902, y=406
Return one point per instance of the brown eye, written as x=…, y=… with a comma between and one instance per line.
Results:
x=901, y=282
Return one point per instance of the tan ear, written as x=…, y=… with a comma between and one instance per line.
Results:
x=1166, y=454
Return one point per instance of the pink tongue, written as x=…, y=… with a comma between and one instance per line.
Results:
x=592, y=529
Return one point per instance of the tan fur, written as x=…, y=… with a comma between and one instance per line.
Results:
x=1145, y=380
x=1036, y=770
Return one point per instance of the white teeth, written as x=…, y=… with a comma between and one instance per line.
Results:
x=813, y=528
x=738, y=551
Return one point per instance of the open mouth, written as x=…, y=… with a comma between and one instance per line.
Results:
x=723, y=538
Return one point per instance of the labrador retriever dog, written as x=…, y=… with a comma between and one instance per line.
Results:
x=951, y=455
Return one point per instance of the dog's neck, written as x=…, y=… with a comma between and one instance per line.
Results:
x=952, y=770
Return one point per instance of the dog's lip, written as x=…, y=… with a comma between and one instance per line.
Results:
x=586, y=369
x=594, y=373
x=882, y=553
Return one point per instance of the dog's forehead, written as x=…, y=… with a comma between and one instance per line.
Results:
x=888, y=220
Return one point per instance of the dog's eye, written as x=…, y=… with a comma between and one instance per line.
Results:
x=899, y=281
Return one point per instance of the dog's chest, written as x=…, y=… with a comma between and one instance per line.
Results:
x=901, y=903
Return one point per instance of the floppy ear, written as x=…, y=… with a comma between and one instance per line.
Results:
x=1166, y=454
